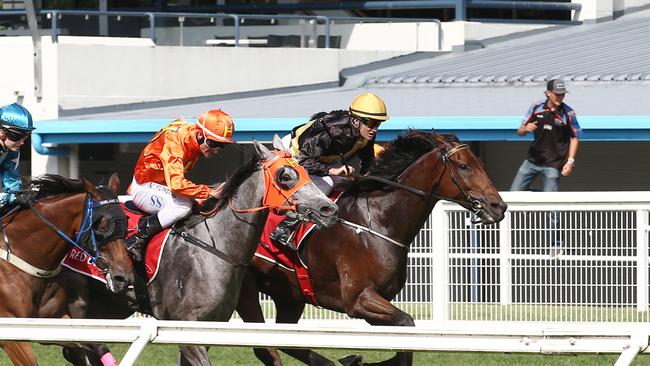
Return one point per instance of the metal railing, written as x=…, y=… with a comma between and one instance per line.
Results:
x=56, y=15
x=460, y=6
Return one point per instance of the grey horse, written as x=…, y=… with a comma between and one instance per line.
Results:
x=193, y=283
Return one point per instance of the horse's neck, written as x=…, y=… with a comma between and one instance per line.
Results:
x=401, y=214
x=238, y=233
x=37, y=243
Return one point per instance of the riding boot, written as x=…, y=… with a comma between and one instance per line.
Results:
x=147, y=228
x=283, y=233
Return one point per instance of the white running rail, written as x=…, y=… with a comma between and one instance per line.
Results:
x=626, y=340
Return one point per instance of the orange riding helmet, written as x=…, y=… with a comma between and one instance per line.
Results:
x=216, y=125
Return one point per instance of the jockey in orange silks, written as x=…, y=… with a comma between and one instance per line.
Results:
x=159, y=184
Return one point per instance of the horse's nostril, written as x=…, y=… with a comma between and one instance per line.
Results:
x=329, y=210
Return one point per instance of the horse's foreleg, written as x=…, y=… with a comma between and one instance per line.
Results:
x=250, y=311
x=378, y=311
x=289, y=311
x=20, y=353
x=193, y=356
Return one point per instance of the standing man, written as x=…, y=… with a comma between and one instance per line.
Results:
x=159, y=185
x=326, y=144
x=16, y=126
x=553, y=151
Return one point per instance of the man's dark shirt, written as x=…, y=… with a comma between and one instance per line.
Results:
x=553, y=134
x=331, y=135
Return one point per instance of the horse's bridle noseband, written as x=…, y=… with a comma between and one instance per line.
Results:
x=476, y=207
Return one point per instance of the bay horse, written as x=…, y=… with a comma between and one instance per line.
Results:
x=196, y=284
x=358, y=272
x=35, y=240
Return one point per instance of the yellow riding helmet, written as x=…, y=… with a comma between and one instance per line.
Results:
x=369, y=105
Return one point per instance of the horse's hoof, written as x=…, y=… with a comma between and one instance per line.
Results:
x=352, y=360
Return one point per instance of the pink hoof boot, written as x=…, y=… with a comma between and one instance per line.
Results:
x=108, y=360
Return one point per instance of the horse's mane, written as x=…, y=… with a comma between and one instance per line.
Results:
x=47, y=185
x=231, y=185
x=397, y=155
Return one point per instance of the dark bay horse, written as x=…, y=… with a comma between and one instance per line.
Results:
x=34, y=241
x=193, y=283
x=359, y=272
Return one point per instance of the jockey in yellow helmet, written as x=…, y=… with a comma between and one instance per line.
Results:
x=326, y=144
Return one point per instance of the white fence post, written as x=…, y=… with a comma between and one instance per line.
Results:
x=505, y=261
x=642, y=229
x=440, y=266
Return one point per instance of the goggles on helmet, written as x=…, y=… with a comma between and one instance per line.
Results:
x=371, y=123
x=16, y=135
x=213, y=144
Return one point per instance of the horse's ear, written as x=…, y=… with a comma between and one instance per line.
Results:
x=262, y=151
x=277, y=143
x=90, y=188
x=114, y=183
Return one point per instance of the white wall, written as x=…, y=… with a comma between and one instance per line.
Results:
x=403, y=36
x=17, y=76
x=82, y=72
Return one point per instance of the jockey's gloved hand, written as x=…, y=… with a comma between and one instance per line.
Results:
x=23, y=199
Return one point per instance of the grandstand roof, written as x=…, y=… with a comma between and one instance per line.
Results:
x=612, y=51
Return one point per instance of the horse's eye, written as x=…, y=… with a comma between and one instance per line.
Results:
x=463, y=167
x=286, y=177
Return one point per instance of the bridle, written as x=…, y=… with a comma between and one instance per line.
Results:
x=276, y=194
x=85, y=236
x=475, y=205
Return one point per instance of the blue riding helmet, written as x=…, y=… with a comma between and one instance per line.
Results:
x=15, y=116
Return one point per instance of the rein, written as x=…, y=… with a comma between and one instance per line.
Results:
x=86, y=225
x=476, y=206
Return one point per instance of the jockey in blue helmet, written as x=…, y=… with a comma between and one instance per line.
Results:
x=15, y=127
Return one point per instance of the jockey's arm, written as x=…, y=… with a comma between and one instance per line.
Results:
x=172, y=158
x=11, y=182
x=313, y=148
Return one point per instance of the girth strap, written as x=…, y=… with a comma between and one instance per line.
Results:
x=207, y=247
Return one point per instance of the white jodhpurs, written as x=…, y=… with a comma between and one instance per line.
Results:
x=157, y=198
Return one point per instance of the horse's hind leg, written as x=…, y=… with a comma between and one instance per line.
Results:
x=20, y=353
x=193, y=356
x=250, y=311
x=289, y=311
x=378, y=311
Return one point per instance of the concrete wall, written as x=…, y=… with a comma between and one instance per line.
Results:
x=603, y=10
x=81, y=72
x=403, y=36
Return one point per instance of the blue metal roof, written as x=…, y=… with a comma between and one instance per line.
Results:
x=468, y=128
